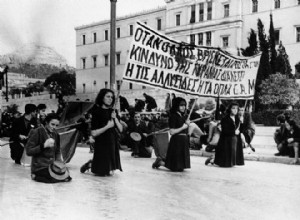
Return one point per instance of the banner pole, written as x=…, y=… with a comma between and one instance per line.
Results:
x=196, y=100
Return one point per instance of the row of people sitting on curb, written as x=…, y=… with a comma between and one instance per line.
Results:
x=287, y=137
x=139, y=130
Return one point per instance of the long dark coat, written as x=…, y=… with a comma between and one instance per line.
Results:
x=106, y=148
x=178, y=154
x=229, y=151
x=19, y=127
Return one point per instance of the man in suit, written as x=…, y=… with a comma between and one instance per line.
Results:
x=142, y=147
x=20, y=130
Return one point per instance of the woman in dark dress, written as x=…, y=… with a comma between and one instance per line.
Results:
x=178, y=154
x=229, y=151
x=106, y=157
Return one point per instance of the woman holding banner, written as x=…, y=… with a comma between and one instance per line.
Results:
x=229, y=151
x=178, y=154
x=104, y=123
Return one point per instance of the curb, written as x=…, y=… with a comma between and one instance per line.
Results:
x=249, y=157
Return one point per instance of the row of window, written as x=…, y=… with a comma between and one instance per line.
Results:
x=226, y=11
x=201, y=39
x=118, y=32
x=201, y=36
x=95, y=60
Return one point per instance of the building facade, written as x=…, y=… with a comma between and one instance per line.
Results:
x=218, y=23
x=93, y=50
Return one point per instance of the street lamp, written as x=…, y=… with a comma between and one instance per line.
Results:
x=112, y=43
x=3, y=71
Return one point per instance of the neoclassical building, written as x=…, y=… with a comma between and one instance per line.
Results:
x=219, y=23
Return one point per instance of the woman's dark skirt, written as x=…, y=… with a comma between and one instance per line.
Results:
x=178, y=154
x=229, y=152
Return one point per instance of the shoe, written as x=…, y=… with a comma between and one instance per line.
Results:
x=208, y=161
x=278, y=154
x=86, y=166
x=156, y=163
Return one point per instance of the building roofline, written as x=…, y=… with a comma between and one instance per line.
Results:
x=162, y=8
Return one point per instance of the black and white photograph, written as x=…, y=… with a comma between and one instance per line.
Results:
x=153, y=109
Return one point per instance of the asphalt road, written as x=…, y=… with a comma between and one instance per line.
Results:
x=257, y=190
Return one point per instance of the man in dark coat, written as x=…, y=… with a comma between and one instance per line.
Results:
x=150, y=101
x=142, y=147
x=20, y=130
x=139, y=105
x=124, y=105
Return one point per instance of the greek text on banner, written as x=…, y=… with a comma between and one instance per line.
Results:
x=159, y=61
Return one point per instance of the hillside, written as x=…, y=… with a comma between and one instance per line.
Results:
x=35, y=61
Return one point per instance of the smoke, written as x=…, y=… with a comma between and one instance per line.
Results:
x=24, y=22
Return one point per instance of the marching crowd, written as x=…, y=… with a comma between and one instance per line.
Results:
x=171, y=133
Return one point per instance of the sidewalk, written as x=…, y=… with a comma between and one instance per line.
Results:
x=264, y=145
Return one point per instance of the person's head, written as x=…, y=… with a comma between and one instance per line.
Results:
x=17, y=114
x=41, y=108
x=106, y=98
x=287, y=115
x=173, y=95
x=233, y=109
x=137, y=118
x=164, y=116
x=290, y=124
x=280, y=119
x=241, y=111
x=179, y=105
x=52, y=121
x=30, y=109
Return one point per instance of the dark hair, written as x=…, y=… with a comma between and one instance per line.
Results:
x=41, y=106
x=175, y=106
x=29, y=108
x=292, y=123
x=228, y=111
x=280, y=118
x=287, y=115
x=51, y=116
x=100, y=97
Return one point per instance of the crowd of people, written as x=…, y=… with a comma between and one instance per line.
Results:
x=227, y=131
x=287, y=137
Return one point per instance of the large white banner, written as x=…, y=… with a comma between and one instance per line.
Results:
x=159, y=61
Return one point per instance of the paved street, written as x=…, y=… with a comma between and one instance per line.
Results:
x=256, y=191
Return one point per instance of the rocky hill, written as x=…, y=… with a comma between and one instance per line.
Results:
x=35, y=61
x=34, y=54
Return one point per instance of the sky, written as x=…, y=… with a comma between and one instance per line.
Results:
x=51, y=22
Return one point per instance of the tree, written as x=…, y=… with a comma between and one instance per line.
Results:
x=272, y=44
x=252, y=49
x=61, y=84
x=278, y=91
x=283, y=65
x=297, y=67
x=13, y=108
x=264, y=69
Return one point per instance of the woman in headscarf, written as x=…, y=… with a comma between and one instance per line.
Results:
x=178, y=154
x=229, y=151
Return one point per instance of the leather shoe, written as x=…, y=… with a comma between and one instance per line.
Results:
x=208, y=161
x=86, y=166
